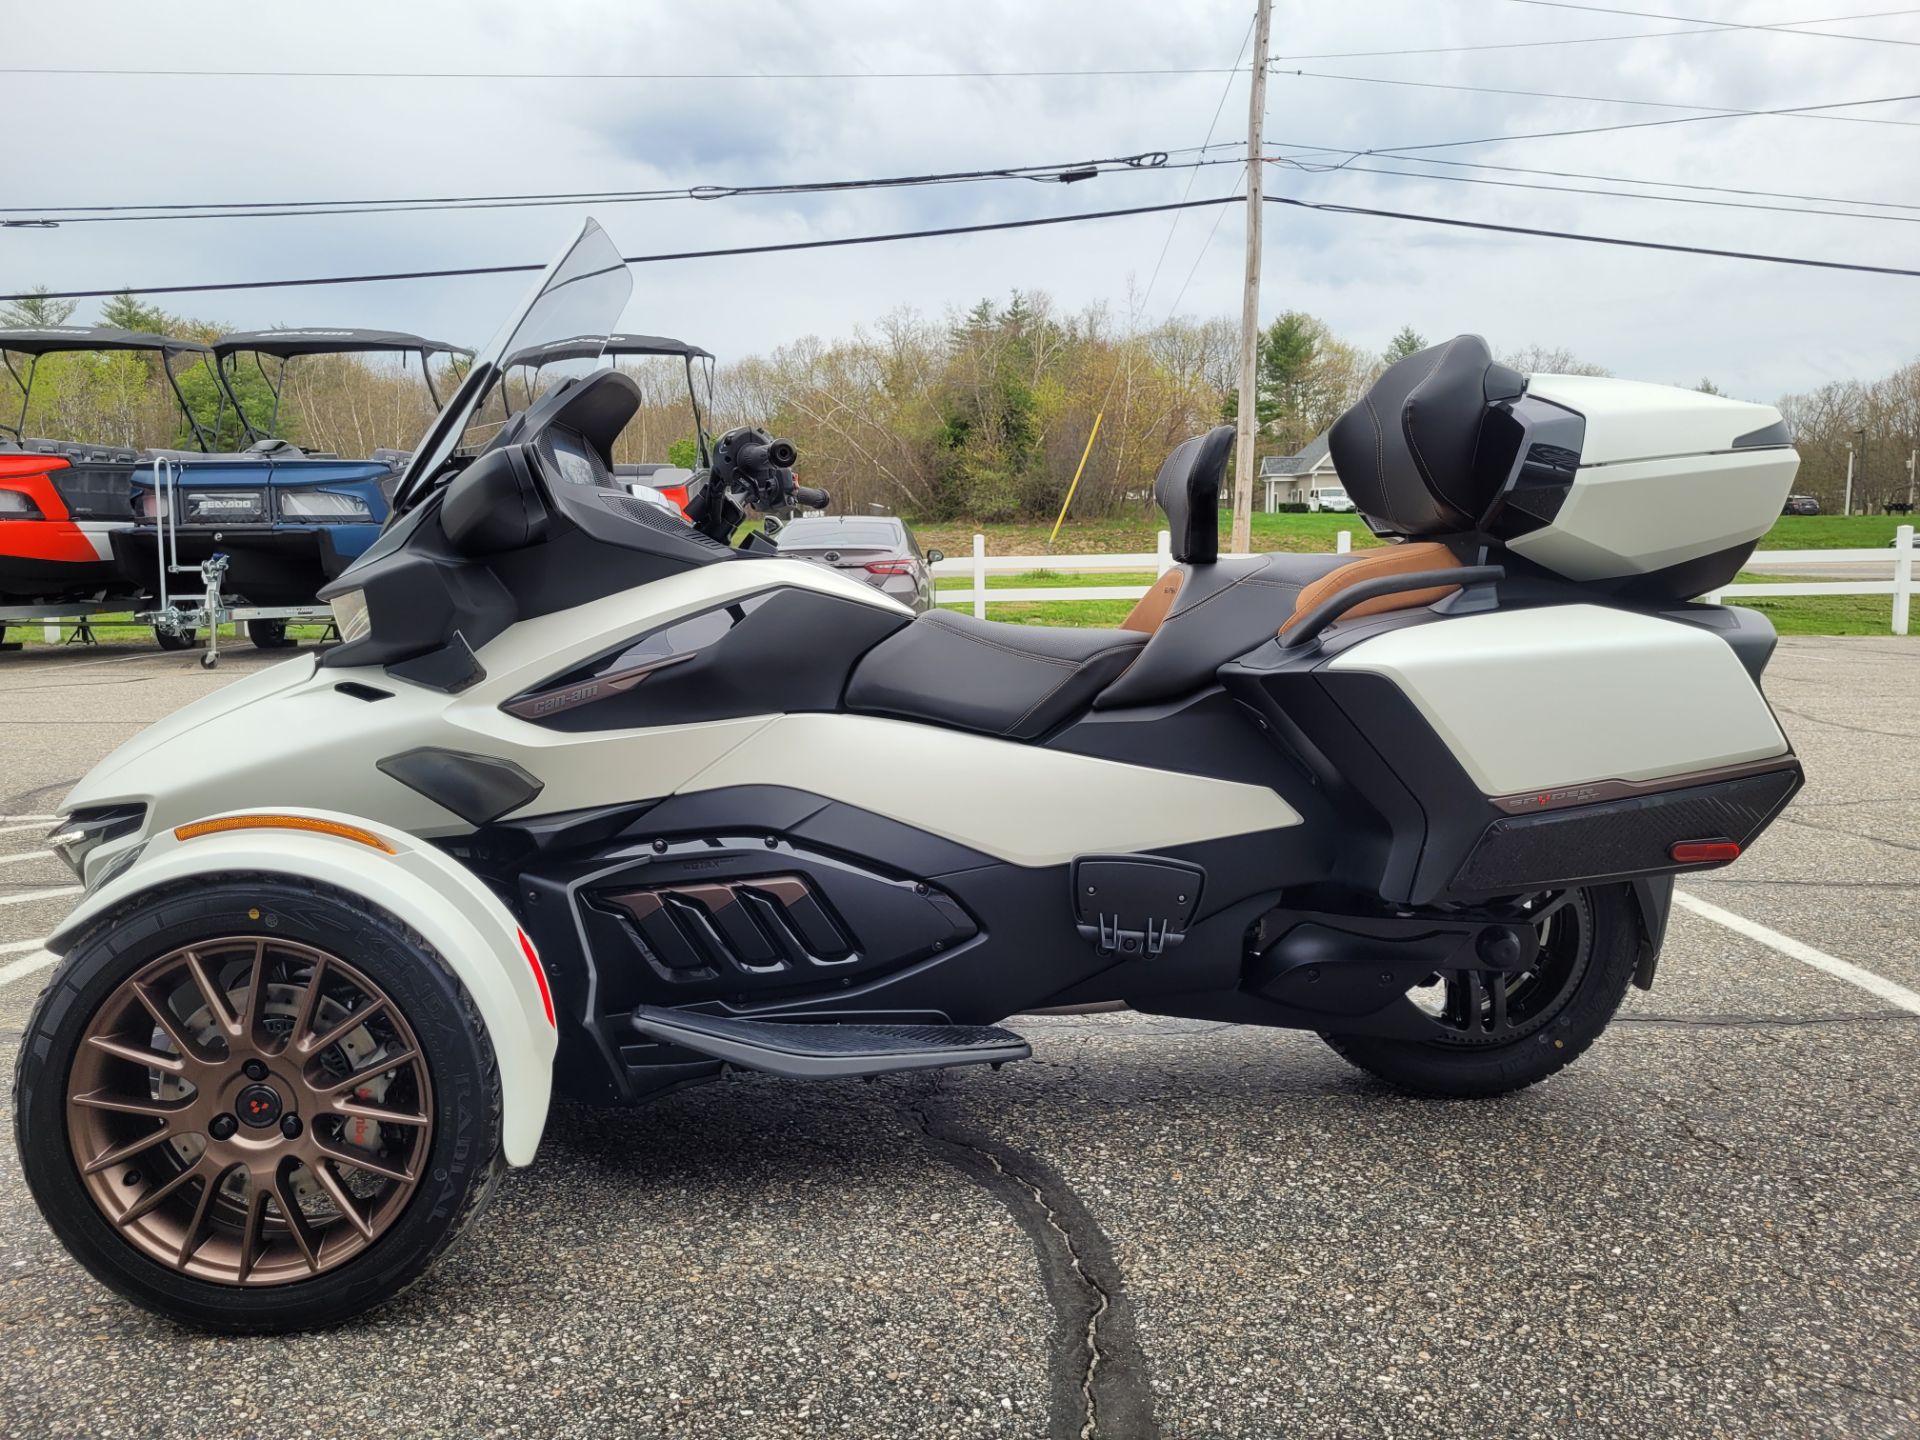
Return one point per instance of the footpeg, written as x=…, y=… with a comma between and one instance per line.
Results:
x=825, y=1051
x=1134, y=905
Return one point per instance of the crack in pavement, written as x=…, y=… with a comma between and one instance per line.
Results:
x=1842, y=725
x=1850, y=834
x=1099, y=1380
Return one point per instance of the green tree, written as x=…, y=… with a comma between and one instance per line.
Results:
x=1406, y=343
x=1707, y=387
x=684, y=453
x=210, y=405
x=126, y=312
x=37, y=311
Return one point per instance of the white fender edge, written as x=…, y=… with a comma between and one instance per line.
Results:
x=462, y=920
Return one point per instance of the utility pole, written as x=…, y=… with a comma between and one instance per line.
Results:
x=1846, y=505
x=1912, y=456
x=1244, y=460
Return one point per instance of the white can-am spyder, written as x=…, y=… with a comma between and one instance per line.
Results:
x=585, y=794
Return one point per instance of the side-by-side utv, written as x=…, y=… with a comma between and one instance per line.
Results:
x=61, y=500
x=287, y=520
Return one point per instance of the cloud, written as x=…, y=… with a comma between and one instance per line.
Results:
x=1755, y=329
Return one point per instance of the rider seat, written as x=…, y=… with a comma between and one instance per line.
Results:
x=1406, y=455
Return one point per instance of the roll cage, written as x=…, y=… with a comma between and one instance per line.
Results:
x=590, y=347
x=288, y=345
x=35, y=342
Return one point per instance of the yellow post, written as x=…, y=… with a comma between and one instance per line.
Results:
x=1061, y=518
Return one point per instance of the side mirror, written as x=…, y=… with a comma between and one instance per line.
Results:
x=934, y=557
x=495, y=504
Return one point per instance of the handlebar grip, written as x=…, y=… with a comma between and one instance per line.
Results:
x=810, y=498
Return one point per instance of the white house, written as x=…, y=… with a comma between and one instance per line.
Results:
x=1288, y=479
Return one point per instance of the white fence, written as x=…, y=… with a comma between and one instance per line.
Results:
x=1899, y=558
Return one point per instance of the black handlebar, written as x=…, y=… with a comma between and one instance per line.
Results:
x=807, y=497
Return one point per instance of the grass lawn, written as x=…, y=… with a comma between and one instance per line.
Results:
x=1812, y=614
x=1831, y=532
x=124, y=632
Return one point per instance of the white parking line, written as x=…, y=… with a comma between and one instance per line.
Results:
x=1795, y=950
x=39, y=895
x=21, y=829
x=9, y=819
x=39, y=960
x=26, y=855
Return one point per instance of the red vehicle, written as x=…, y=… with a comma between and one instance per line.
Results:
x=60, y=500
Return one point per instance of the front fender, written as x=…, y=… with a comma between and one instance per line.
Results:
x=458, y=916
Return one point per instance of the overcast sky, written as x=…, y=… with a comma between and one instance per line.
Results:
x=1755, y=329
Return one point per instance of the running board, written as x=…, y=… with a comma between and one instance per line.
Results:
x=829, y=1051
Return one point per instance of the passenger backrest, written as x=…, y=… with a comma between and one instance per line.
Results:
x=1188, y=489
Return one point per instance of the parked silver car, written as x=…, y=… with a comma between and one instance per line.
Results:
x=878, y=548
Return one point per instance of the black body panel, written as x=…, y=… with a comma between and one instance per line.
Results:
x=781, y=651
x=1615, y=839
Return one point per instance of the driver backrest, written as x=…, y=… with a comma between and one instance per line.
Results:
x=1405, y=452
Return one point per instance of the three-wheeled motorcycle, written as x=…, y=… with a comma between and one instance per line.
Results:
x=587, y=796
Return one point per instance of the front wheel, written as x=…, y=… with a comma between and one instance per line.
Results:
x=254, y=1105
x=1496, y=1032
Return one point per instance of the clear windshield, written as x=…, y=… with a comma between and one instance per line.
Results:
x=579, y=299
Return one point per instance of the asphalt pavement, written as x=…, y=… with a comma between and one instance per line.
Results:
x=1709, y=1226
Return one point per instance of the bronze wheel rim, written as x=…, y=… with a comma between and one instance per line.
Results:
x=250, y=1111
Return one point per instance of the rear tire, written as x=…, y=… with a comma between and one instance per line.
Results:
x=1468, y=1068
x=451, y=1168
x=175, y=639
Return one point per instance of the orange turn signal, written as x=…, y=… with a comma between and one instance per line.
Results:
x=283, y=822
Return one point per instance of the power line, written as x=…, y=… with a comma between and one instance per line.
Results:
x=1455, y=222
x=662, y=75
x=1787, y=25
x=1716, y=24
x=1036, y=222
x=1629, y=125
x=1599, y=99
x=585, y=195
x=1205, y=145
x=1291, y=163
x=630, y=259
x=1071, y=172
x=1609, y=179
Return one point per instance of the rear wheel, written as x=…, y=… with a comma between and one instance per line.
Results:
x=174, y=639
x=268, y=634
x=1497, y=1032
x=256, y=1106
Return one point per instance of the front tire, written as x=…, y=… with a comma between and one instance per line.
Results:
x=1547, y=1016
x=327, y=1104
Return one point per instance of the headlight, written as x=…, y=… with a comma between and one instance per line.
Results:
x=350, y=616
x=212, y=507
x=16, y=506
x=323, y=506
x=85, y=831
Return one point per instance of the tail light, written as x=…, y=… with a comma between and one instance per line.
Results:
x=889, y=567
x=16, y=506
x=1704, y=852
